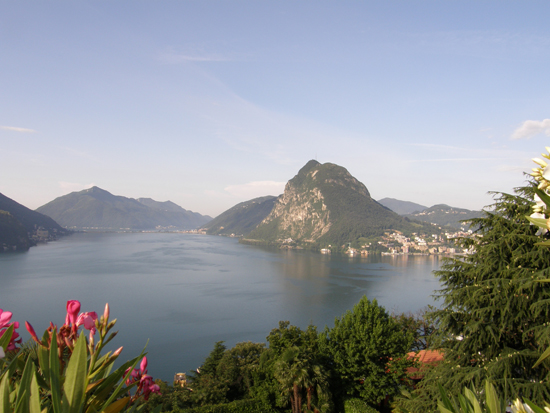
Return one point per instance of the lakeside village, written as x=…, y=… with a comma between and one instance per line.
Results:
x=393, y=243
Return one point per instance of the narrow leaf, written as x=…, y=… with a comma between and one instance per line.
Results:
x=6, y=337
x=55, y=375
x=4, y=394
x=22, y=403
x=117, y=406
x=543, y=196
x=34, y=406
x=492, y=399
x=75, y=377
x=534, y=407
x=544, y=356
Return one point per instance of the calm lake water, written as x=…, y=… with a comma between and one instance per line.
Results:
x=184, y=292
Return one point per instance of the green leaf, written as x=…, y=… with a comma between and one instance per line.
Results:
x=22, y=401
x=543, y=196
x=6, y=337
x=491, y=398
x=445, y=400
x=470, y=395
x=44, y=361
x=539, y=222
x=534, y=407
x=55, y=375
x=5, y=394
x=543, y=357
x=544, y=243
x=75, y=377
x=35, y=394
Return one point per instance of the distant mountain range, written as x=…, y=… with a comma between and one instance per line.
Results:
x=21, y=227
x=441, y=214
x=401, y=207
x=98, y=209
x=322, y=205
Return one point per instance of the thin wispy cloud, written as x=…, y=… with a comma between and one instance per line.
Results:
x=530, y=128
x=173, y=56
x=256, y=189
x=16, y=129
x=455, y=160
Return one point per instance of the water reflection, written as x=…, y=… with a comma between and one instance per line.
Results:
x=185, y=292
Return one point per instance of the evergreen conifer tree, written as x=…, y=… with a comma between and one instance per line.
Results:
x=492, y=322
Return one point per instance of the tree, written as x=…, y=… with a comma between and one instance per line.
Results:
x=368, y=348
x=491, y=324
x=420, y=325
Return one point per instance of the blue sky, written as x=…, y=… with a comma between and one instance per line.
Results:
x=211, y=103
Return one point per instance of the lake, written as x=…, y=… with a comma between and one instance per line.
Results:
x=184, y=292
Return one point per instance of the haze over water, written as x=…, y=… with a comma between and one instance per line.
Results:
x=185, y=292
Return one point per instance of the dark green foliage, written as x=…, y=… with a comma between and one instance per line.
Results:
x=293, y=371
x=358, y=406
x=97, y=208
x=242, y=218
x=13, y=234
x=368, y=350
x=238, y=406
x=492, y=322
x=420, y=325
x=227, y=375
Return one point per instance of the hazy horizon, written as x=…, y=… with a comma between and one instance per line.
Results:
x=208, y=104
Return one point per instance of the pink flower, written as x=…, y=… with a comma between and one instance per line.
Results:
x=73, y=307
x=5, y=317
x=32, y=332
x=87, y=319
x=143, y=365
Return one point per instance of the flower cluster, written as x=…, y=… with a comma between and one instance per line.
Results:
x=145, y=383
x=542, y=173
x=5, y=317
x=67, y=334
x=542, y=196
x=75, y=364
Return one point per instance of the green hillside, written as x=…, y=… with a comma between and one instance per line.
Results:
x=242, y=218
x=401, y=207
x=96, y=208
x=325, y=205
x=445, y=215
x=30, y=219
x=13, y=235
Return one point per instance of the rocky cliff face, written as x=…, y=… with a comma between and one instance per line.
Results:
x=313, y=204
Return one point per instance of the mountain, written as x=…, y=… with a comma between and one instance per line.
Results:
x=13, y=235
x=324, y=204
x=21, y=227
x=401, y=207
x=445, y=215
x=96, y=208
x=30, y=219
x=242, y=218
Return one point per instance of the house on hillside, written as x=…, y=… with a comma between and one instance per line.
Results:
x=425, y=359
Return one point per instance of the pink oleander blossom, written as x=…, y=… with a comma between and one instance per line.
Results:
x=73, y=307
x=5, y=323
x=87, y=319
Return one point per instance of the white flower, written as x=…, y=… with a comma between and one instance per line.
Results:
x=519, y=407
x=546, y=173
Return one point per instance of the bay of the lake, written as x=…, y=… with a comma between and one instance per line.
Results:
x=184, y=292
